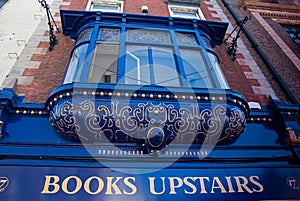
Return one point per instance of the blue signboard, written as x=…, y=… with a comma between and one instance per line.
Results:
x=70, y=183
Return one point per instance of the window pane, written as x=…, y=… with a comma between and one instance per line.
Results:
x=206, y=42
x=109, y=34
x=147, y=65
x=165, y=73
x=187, y=39
x=76, y=64
x=105, y=8
x=194, y=68
x=185, y=15
x=294, y=32
x=85, y=35
x=148, y=36
x=217, y=69
x=2, y=2
x=105, y=63
x=137, y=65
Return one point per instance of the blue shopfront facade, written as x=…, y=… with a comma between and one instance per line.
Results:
x=145, y=113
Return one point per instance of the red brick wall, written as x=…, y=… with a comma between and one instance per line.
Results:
x=51, y=71
x=155, y=7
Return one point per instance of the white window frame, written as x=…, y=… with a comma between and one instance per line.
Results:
x=185, y=9
x=108, y=3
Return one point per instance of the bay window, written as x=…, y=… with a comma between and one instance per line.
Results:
x=145, y=56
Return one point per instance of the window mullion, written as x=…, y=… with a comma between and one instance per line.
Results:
x=151, y=67
x=208, y=64
x=178, y=61
x=89, y=55
x=122, y=59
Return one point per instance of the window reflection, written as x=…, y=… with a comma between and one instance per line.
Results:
x=195, y=69
x=145, y=57
x=147, y=65
x=217, y=69
x=76, y=64
x=164, y=67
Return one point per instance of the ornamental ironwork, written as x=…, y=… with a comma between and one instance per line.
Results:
x=154, y=121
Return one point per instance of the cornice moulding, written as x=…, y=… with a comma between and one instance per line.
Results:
x=255, y=4
x=277, y=14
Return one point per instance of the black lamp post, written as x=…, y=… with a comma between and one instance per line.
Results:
x=52, y=38
x=231, y=50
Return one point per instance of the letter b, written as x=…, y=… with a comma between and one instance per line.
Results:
x=51, y=181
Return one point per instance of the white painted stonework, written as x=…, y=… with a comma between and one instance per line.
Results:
x=18, y=21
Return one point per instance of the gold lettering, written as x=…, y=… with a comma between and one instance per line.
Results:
x=202, y=185
x=172, y=184
x=189, y=184
x=231, y=190
x=259, y=185
x=87, y=184
x=242, y=182
x=219, y=185
x=113, y=185
x=130, y=185
x=51, y=181
x=152, y=185
x=64, y=185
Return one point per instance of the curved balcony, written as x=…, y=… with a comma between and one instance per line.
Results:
x=150, y=116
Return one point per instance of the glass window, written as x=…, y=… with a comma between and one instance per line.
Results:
x=76, y=64
x=109, y=34
x=137, y=70
x=216, y=68
x=183, y=14
x=105, y=6
x=105, y=63
x=206, y=42
x=187, y=39
x=85, y=35
x=2, y=2
x=146, y=57
x=164, y=67
x=195, y=68
x=146, y=65
x=294, y=33
x=148, y=36
x=189, y=12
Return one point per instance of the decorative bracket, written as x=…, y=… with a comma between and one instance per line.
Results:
x=231, y=50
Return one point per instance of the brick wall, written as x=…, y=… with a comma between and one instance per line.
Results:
x=155, y=7
x=52, y=64
x=243, y=75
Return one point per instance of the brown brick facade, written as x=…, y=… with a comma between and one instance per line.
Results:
x=241, y=74
x=155, y=7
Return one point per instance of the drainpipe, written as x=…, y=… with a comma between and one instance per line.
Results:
x=271, y=68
